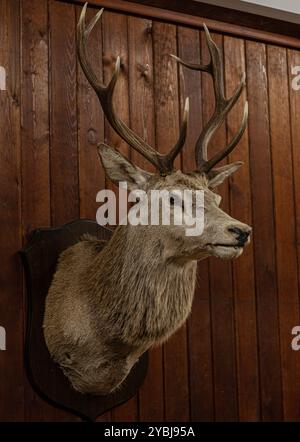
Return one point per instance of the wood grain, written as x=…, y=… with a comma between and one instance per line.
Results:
x=115, y=43
x=11, y=303
x=35, y=146
x=90, y=126
x=264, y=233
x=286, y=251
x=63, y=117
x=243, y=268
x=293, y=61
x=221, y=284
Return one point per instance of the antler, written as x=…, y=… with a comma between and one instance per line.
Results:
x=164, y=163
x=222, y=107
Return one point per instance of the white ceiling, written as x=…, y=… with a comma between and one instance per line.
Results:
x=287, y=10
x=283, y=5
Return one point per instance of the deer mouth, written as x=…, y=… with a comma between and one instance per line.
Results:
x=225, y=251
x=232, y=246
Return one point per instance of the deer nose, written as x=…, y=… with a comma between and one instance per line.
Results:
x=241, y=234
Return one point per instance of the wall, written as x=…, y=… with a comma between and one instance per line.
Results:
x=233, y=358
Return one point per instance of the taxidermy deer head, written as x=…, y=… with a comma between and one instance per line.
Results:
x=109, y=303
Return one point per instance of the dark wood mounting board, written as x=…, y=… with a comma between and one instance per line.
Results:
x=39, y=258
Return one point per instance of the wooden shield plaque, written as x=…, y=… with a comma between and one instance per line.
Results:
x=39, y=258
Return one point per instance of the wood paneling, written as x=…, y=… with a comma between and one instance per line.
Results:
x=11, y=302
x=233, y=359
x=35, y=164
x=263, y=232
x=243, y=269
x=294, y=60
x=90, y=127
x=221, y=284
x=286, y=252
x=63, y=106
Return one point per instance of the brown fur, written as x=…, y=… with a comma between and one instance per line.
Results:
x=110, y=303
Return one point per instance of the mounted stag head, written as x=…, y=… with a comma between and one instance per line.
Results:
x=108, y=304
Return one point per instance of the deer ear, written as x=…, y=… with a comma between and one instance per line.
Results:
x=118, y=168
x=217, y=176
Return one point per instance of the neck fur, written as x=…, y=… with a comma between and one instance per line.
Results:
x=144, y=284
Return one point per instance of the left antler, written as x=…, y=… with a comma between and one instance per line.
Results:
x=222, y=107
x=164, y=163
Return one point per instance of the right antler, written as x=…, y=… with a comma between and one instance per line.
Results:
x=222, y=107
x=164, y=163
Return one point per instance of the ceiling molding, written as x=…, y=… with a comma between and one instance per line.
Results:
x=219, y=19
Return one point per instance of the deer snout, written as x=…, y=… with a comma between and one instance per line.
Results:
x=241, y=233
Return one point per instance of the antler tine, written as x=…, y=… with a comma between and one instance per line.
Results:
x=171, y=156
x=208, y=165
x=193, y=66
x=222, y=106
x=164, y=163
x=82, y=36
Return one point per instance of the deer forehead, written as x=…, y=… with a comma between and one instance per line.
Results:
x=179, y=180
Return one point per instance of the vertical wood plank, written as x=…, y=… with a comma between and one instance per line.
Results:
x=90, y=125
x=243, y=268
x=141, y=87
x=167, y=129
x=11, y=304
x=199, y=324
x=286, y=252
x=115, y=42
x=35, y=146
x=293, y=61
x=35, y=116
x=222, y=302
x=63, y=153
x=142, y=121
x=263, y=232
